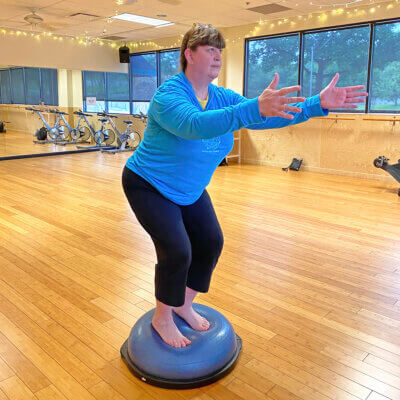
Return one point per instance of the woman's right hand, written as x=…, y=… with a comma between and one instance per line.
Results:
x=274, y=103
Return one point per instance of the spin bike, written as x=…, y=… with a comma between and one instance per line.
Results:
x=129, y=139
x=65, y=128
x=56, y=135
x=82, y=132
x=103, y=138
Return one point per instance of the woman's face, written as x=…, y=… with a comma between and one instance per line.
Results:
x=207, y=60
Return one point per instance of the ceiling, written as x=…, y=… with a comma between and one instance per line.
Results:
x=58, y=15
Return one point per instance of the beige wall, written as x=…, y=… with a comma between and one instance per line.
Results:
x=48, y=53
x=346, y=146
x=70, y=58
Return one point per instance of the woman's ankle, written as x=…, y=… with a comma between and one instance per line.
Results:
x=163, y=312
x=185, y=306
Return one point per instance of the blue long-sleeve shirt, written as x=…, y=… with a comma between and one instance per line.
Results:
x=184, y=144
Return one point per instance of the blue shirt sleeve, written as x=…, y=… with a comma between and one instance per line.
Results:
x=174, y=111
x=311, y=107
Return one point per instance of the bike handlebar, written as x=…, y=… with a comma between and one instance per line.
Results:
x=82, y=113
x=104, y=114
x=140, y=116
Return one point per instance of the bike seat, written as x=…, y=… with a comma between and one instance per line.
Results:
x=81, y=113
x=128, y=122
x=103, y=119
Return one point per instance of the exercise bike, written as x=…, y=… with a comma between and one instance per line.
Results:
x=56, y=135
x=103, y=138
x=61, y=124
x=392, y=169
x=65, y=128
x=82, y=132
x=129, y=139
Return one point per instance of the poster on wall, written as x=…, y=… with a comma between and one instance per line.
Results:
x=90, y=101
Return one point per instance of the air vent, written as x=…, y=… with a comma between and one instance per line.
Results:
x=83, y=16
x=269, y=9
x=113, y=38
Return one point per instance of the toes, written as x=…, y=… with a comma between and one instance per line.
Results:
x=205, y=323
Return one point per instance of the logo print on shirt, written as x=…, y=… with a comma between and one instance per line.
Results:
x=211, y=145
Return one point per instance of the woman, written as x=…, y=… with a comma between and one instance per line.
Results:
x=189, y=131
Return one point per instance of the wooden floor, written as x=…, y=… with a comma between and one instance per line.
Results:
x=309, y=277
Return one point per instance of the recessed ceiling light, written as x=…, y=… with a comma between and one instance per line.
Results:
x=140, y=19
x=162, y=26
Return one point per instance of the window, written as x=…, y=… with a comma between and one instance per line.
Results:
x=29, y=86
x=140, y=107
x=111, y=90
x=354, y=51
x=385, y=69
x=345, y=51
x=143, y=69
x=118, y=92
x=5, y=86
x=115, y=92
x=169, y=64
x=148, y=71
x=94, y=85
x=49, y=82
x=17, y=86
x=265, y=57
x=32, y=83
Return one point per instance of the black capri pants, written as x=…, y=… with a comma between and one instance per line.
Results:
x=188, y=239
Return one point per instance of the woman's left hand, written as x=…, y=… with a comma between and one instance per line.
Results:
x=341, y=97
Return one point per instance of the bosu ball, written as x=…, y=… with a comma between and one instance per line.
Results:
x=211, y=355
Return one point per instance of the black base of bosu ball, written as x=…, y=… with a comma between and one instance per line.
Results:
x=211, y=355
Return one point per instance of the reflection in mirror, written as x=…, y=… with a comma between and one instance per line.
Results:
x=47, y=111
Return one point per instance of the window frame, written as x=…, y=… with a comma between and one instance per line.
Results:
x=301, y=33
x=9, y=83
x=130, y=80
x=158, y=71
x=106, y=96
x=12, y=96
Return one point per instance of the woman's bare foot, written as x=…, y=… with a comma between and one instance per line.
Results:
x=169, y=332
x=194, y=319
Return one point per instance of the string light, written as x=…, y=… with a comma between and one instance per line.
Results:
x=83, y=40
x=340, y=7
x=321, y=17
x=336, y=4
x=339, y=10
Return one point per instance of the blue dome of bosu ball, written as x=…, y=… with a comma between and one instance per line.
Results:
x=211, y=355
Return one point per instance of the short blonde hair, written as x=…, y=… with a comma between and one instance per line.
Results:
x=200, y=35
